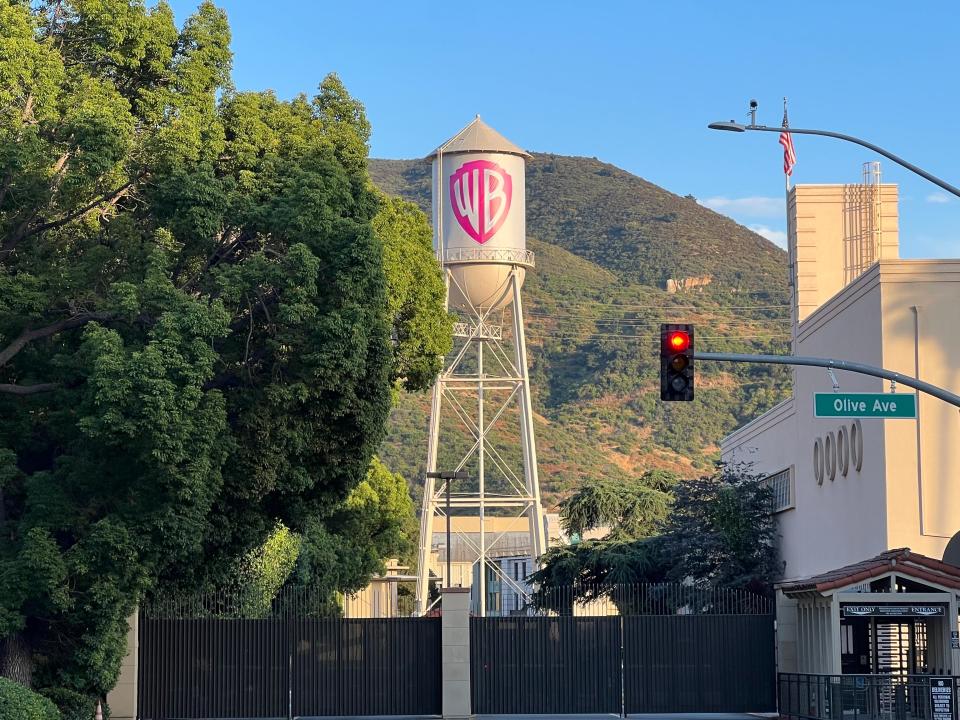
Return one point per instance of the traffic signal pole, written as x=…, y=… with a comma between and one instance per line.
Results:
x=924, y=387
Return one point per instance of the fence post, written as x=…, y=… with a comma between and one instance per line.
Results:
x=123, y=698
x=455, y=652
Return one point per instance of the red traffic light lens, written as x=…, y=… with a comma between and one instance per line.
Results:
x=678, y=341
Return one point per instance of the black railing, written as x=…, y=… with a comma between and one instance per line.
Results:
x=863, y=697
x=669, y=598
x=242, y=604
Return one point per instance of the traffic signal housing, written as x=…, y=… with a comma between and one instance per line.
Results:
x=676, y=362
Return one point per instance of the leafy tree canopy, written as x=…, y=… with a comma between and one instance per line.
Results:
x=340, y=552
x=198, y=289
x=630, y=510
x=719, y=532
x=722, y=532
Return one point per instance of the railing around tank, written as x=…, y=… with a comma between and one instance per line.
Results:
x=511, y=256
x=866, y=697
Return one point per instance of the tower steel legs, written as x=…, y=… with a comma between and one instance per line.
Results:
x=481, y=368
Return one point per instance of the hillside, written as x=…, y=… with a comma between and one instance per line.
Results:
x=607, y=243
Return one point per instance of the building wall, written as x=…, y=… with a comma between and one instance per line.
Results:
x=765, y=446
x=823, y=220
x=376, y=600
x=841, y=520
x=921, y=315
x=898, y=314
x=123, y=698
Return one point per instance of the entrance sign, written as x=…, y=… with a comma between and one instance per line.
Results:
x=893, y=610
x=865, y=405
x=941, y=698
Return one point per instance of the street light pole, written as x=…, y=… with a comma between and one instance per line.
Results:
x=447, y=476
x=732, y=126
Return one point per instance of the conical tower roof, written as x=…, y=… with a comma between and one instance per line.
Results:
x=479, y=137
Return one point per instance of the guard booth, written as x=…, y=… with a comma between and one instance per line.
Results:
x=868, y=638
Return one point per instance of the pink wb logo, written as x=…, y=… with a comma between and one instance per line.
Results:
x=480, y=193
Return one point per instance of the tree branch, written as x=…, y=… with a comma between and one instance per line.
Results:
x=24, y=232
x=219, y=255
x=22, y=390
x=28, y=336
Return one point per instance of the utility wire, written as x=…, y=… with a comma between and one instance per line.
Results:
x=574, y=335
x=627, y=306
x=633, y=322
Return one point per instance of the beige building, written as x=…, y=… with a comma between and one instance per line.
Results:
x=381, y=598
x=849, y=490
x=508, y=551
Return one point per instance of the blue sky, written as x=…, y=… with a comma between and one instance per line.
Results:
x=635, y=84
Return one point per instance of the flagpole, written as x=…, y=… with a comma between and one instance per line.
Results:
x=794, y=308
x=786, y=176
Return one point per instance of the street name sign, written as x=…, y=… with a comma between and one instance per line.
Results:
x=865, y=405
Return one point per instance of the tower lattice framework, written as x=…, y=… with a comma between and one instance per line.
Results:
x=484, y=388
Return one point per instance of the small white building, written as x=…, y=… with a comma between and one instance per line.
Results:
x=508, y=588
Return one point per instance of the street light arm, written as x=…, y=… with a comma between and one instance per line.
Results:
x=855, y=367
x=870, y=146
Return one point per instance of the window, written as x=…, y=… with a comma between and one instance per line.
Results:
x=781, y=486
x=846, y=639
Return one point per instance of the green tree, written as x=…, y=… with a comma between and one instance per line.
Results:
x=194, y=323
x=422, y=328
x=340, y=552
x=263, y=571
x=335, y=554
x=630, y=510
x=719, y=533
x=722, y=532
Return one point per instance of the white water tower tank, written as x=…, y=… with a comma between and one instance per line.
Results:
x=479, y=215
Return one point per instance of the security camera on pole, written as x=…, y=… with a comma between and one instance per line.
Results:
x=479, y=209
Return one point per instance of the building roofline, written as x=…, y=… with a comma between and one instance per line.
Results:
x=781, y=411
x=843, y=298
x=901, y=561
x=804, y=186
x=882, y=271
x=478, y=137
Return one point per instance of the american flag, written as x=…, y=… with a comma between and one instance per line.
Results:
x=786, y=139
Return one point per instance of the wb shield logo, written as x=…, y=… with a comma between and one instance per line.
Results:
x=480, y=193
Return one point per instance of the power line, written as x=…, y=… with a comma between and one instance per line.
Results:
x=650, y=323
x=623, y=306
x=578, y=336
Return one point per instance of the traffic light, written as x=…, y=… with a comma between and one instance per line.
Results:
x=676, y=362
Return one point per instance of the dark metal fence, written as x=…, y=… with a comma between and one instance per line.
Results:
x=859, y=697
x=699, y=664
x=213, y=669
x=366, y=667
x=535, y=665
x=206, y=658
x=631, y=649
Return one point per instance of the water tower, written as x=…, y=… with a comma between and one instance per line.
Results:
x=479, y=235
